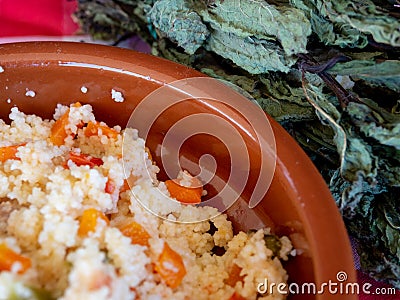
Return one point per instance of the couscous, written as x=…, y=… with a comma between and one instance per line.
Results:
x=71, y=225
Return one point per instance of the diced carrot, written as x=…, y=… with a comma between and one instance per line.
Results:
x=77, y=104
x=234, y=275
x=8, y=257
x=111, y=189
x=85, y=160
x=80, y=125
x=110, y=186
x=93, y=129
x=128, y=183
x=147, y=150
x=125, y=186
x=237, y=296
x=88, y=221
x=9, y=152
x=170, y=266
x=136, y=233
x=59, y=131
x=188, y=195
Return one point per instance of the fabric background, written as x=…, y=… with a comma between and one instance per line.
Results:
x=37, y=17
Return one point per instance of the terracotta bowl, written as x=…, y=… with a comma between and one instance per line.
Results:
x=298, y=202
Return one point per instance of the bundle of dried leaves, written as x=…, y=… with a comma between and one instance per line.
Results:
x=327, y=70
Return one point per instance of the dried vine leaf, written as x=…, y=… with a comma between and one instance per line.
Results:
x=328, y=31
x=175, y=20
x=283, y=101
x=106, y=19
x=264, y=38
x=373, y=214
x=385, y=133
x=259, y=19
x=366, y=173
x=274, y=95
x=348, y=23
x=355, y=155
x=254, y=55
x=383, y=245
x=386, y=73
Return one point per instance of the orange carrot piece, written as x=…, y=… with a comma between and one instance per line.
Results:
x=234, y=275
x=125, y=186
x=77, y=104
x=8, y=257
x=88, y=221
x=147, y=150
x=110, y=186
x=128, y=183
x=9, y=152
x=93, y=129
x=237, y=296
x=188, y=195
x=136, y=233
x=81, y=159
x=170, y=266
x=59, y=132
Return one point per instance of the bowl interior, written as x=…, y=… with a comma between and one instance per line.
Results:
x=298, y=203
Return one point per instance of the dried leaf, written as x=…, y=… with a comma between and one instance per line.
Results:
x=386, y=133
x=348, y=23
x=176, y=20
x=386, y=73
x=105, y=20
x=258, y=19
